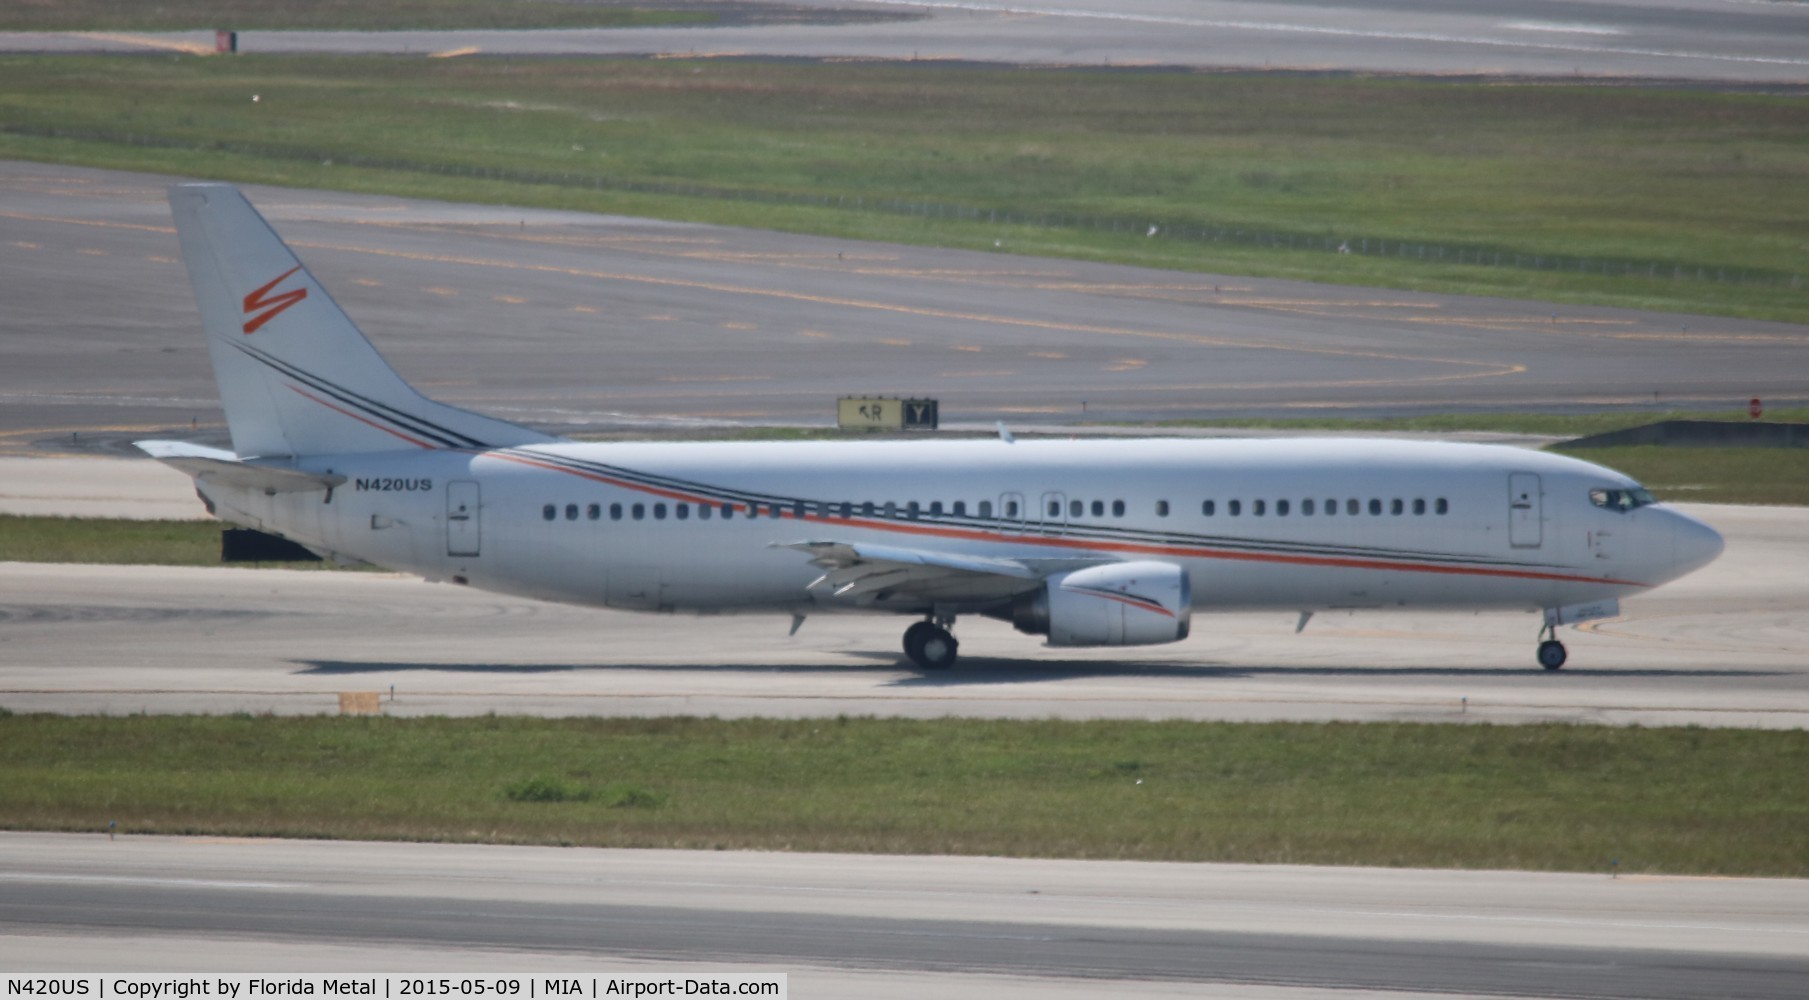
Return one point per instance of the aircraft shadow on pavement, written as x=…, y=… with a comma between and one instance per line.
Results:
x=978, y=670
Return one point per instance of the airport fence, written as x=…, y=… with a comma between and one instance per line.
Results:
x=1469, y=255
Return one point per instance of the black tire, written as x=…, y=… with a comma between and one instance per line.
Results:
x=1552, y=654
x=913, y=640
x=930, y=646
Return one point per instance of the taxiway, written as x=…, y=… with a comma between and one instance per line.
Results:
x=573, y=321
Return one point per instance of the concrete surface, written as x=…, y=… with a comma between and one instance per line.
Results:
x=894, y=926
x=1691, y=40
x=574, y=321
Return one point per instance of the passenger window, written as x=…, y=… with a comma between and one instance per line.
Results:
x=891, y=508
x=1161, y=508
x=1076, y=508
x=1350, y=507
x=1306, y=507
x=728, y=511
x=1331, y=506
x=1209, y=507
x=638, y=511
x=935, y=508
x=1234, y=507
x=549, y=512
x=1118, y=508
x=1281, y=508
x=1419, y=505
x=1259, y=507
x=1099, y=508
x=659, y=512
x=615, y=512
x=1395, y=507
x=683, y=511
x=1375, y=508
x=704, y=511
x=960, y=508
x=867, y=509
x=1011, y=508
x=911, y=510
x=1055, y=508
x=593, y=512
x=775, y=511
x=847, y=510
x=986, y=508
x=571, y=512
x=1441, y=506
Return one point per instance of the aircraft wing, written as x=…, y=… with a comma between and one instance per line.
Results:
x=212, y=465
x=868, y=575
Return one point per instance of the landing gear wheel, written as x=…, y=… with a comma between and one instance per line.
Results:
x=930, y=646
x=1552, y=654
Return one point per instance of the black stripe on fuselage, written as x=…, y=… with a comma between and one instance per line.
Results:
x=1023, y=530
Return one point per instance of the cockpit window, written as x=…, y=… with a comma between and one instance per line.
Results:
x=1621, y=499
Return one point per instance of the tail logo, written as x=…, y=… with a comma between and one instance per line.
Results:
x=273, y=305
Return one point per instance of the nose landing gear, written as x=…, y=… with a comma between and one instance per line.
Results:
x=1551, y=652
x=930, y=645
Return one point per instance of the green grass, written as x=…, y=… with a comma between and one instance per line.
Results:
x=116, y=542
x=349, y=15
x=1711, y=475
x=1563, y=425
x=1723, y=802
x=1687, y=179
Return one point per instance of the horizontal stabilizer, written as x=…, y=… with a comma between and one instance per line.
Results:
x=212, y=465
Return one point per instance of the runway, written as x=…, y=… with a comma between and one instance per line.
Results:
x=1722, y=647
x=1686, y=40
x=575, y=321
x=853, y=925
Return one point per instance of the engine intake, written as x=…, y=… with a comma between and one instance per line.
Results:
x=1118, y=604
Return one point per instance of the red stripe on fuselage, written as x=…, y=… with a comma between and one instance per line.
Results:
x=1085, y=545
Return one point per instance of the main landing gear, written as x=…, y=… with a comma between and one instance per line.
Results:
x=930, y=645
x=1551, y=652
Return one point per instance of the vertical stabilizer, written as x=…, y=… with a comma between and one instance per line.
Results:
x=296, y=375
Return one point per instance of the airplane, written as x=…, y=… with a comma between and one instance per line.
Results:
x=1098, y=543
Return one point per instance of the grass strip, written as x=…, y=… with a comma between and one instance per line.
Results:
x=329, y=15
x=1711, y=475
x=1561, y=425
x=1241, y=173
x=116, y=541
x=1547, y=797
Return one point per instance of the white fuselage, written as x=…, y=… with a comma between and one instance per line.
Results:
x=1298, y=524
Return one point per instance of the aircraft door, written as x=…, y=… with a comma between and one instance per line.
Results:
x=1525, y=511
x=1012, y=514
x=1054, y=512
x=463, y=527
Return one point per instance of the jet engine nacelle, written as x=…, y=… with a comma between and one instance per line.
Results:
x=1118, y=604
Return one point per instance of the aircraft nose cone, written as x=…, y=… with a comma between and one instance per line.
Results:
x=1693, y=543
